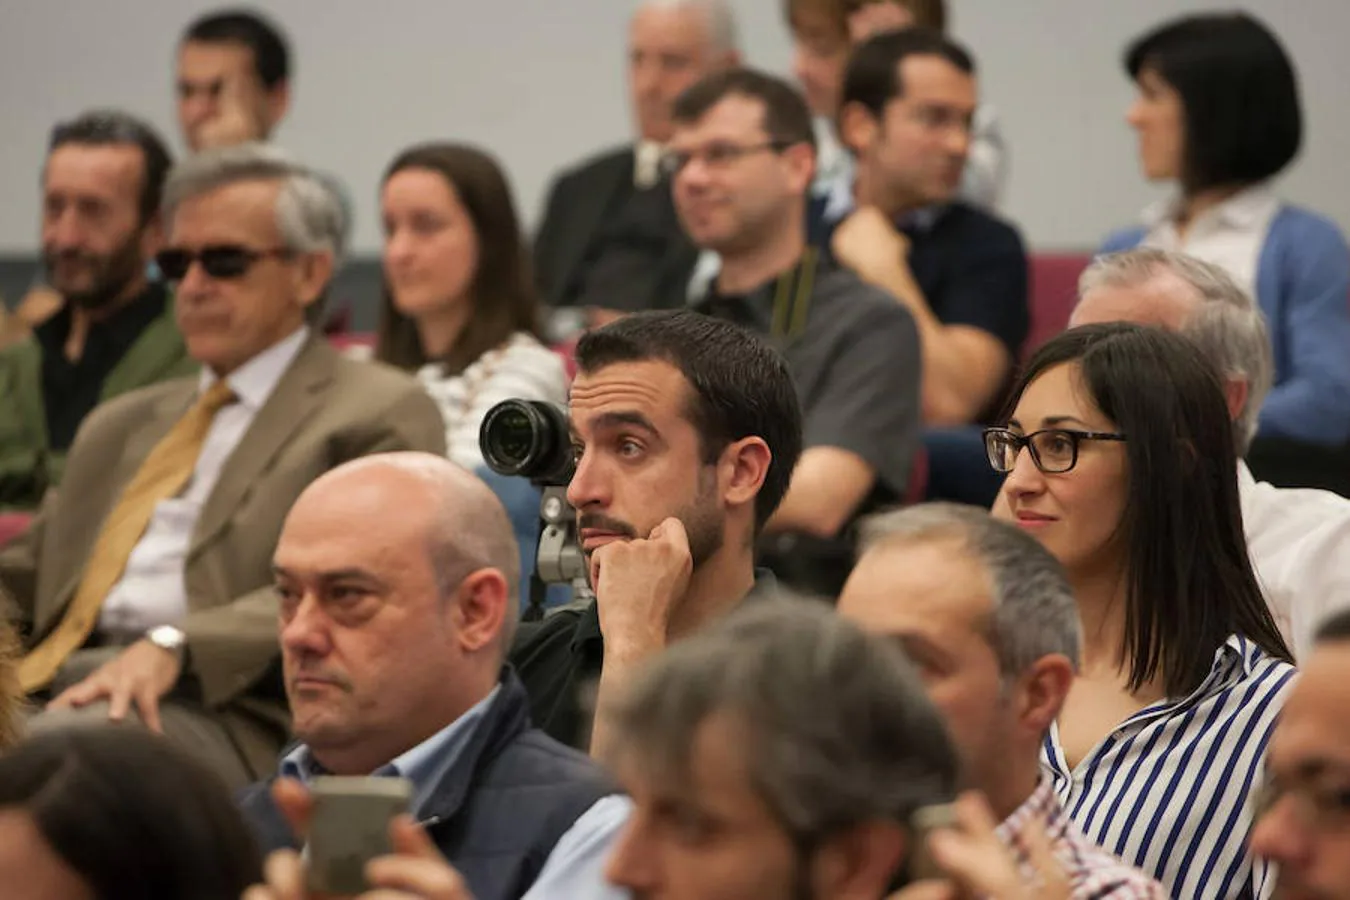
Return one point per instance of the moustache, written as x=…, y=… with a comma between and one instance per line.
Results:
x=599, y=522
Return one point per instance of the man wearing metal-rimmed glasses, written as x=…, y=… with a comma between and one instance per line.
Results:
x=742, y=156
x=1304, y=818
x=144, y=586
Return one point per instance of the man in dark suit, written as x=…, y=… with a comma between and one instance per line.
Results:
x=146, y=581
x=610, y=239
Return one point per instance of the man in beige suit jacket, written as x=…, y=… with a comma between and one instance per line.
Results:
x=186, y=637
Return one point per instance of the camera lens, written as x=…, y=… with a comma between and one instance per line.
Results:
x=527, y=438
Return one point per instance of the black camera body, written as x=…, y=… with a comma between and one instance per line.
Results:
x=530, y=439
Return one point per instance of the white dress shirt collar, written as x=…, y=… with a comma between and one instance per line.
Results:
x=254, y=381
x=1245, y=209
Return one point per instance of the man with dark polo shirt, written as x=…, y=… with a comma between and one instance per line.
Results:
x=101, y=187
x=744, y=155
x=686, y=430
x=908, y=101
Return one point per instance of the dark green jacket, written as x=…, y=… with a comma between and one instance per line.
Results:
x=28, y=465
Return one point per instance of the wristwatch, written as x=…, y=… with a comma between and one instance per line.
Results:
x=166, y=637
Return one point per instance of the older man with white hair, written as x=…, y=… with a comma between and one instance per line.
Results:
x=610, y=240
x=1299, y=539
x=144, y=587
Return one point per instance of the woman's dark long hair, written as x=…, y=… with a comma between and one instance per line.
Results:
x=1190, y=580
x=131, y=815
x=501, y=290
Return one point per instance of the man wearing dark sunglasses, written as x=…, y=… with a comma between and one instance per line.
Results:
x=1303, y=821
x=145, y=586
x=742, y=158
x=113, y=330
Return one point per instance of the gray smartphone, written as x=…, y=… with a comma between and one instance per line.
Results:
x=349, y=827
x=925, y=821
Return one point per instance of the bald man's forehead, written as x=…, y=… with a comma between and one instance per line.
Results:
x=1164, y=301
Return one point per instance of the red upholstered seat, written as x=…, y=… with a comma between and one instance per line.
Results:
x=1054, y=289
x=13, y=524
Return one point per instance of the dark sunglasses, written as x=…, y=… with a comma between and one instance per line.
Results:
x=218, y=260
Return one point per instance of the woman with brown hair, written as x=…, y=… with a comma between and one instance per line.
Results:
x=459, y=307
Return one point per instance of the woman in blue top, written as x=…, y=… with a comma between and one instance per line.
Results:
x=1218, y=113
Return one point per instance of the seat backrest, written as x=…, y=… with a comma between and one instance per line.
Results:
x=1054, y=291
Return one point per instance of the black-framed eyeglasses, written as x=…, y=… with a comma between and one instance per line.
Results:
x=717, y=155
x=1053, y=450
x=218, y=260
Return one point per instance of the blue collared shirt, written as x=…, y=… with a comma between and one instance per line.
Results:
x=575, y=867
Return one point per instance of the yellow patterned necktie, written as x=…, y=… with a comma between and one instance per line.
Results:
x=163, y=474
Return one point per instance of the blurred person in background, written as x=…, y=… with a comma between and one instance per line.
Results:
x=233, y=79
x=459, y=307
x=112, y=329
x=1218, y=115
x=609, y=241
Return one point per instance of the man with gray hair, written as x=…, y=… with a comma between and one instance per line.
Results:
x=1299, y=539
x=144, y=587
x=779, y=755
x=609, y=239
x=988, y=616
x=398, y=583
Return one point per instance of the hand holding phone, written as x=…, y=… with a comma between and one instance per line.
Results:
x=349, y=826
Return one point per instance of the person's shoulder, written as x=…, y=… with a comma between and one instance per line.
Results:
x=1306, y=230
x=855, y=307
x=975, y=224
x=370, y=379
x=589, y=166
x=1123, y=239
x=549, y=635
x=131, y=406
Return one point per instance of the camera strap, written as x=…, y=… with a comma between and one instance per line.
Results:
x=792, y=297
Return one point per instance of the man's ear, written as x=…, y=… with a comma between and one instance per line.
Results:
x=857, y=128
x=860, y=863
x=742, y=469
x=481, y=604
x=277, y=103
x=152, y=236
x=314, y=272
x=1042, y=690
x=1235, y=392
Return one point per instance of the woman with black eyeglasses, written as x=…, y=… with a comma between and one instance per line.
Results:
x=1119, y=459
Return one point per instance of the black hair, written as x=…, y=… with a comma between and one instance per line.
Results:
x=132, y=815
x=1336, y=628
x=787, y=119
x=110, y=127
x=271, y=55
x=872, y=77
x=1239, y=92
x=741, y=387
x=1190, y=579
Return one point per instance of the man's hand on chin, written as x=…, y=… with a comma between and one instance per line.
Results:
x=637, y=586
x=141, y=674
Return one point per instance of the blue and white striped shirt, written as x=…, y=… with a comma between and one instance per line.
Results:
x=1171, y=790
